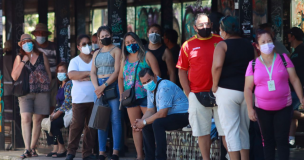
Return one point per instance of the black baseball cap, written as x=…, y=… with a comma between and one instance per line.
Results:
x=297, y=32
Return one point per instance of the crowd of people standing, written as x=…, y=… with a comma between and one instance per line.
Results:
x=258, y=82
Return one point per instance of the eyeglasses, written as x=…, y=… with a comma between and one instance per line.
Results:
x=222, y=20
x=84, y=44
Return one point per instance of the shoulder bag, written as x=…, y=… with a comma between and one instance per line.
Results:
x=110, y=92
x=21, y=86
x=128, y=96
x=154, y=101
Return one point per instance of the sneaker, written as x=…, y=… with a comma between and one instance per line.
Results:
x=91, y=157
x=187, y=128
x=292, y=144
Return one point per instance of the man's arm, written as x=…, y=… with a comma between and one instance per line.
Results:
x=150, y=116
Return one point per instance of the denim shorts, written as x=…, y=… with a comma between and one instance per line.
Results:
x=139, y=102
x=295, y=101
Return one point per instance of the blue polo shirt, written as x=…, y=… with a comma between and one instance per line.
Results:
x=169, y=95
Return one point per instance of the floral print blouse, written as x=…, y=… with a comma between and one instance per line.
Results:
x=129, y=75
x=67, y=103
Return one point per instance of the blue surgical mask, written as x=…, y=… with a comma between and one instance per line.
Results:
x=132, y=48
x=28, y=46
x=150, y=86
x=61, y=76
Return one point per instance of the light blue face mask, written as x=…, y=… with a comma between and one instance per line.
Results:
x=61, y=76
x=28, y=47
x=150, y=86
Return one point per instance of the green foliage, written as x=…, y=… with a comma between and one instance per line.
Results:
x=31, y=20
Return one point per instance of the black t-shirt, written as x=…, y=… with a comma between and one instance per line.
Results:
x=175, y=54
x=238, y=55
x=297, y=58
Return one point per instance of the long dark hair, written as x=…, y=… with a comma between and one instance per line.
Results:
x=65, y=65
x=141, y=51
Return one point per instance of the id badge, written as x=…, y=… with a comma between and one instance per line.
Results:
x=271, y=85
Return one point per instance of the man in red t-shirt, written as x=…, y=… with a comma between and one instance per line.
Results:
x=194, y=64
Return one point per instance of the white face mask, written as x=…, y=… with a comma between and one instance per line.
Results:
x=87, y=49
x=95, y=46
x=40, y=39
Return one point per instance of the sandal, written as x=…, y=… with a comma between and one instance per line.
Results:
x=102, y=157
x=114, y=157
x=26, y=154
x=64, y=154
x=51, y=154
x=34, y=153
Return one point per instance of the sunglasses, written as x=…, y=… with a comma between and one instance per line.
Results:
x=84, y=44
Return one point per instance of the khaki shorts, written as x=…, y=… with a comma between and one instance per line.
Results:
x=200, y=117
x=37, y=103
x=54, y=90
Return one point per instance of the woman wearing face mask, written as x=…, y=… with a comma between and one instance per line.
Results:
x=134, y=54
x=273, y=100
x=162, y=54
x=230, y=61
x=105, y=70
x=64, y=103
x=82, y=100
x=34, y=105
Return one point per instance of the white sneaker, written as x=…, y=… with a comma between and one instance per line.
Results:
x=227, y=156
x=187, y=128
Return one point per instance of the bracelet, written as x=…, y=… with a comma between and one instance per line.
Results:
x=23, y=62
x=106, y=84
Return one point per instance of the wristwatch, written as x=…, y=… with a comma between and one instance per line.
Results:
x=145, y=122
x=106, y=84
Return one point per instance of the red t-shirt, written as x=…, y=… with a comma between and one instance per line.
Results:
x=196, y=56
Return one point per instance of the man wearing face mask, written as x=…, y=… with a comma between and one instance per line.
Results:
x=295, y=38
x=161, y=52
x=95, y=44
x=167, y=111
x=49, y=49
x=194, y=64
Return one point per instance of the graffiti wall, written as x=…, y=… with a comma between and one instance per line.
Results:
x=297, y=13
x=259, y=12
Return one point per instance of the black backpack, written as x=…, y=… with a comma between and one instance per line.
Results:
x=282, y=57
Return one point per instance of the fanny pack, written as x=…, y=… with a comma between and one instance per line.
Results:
x=207, y=99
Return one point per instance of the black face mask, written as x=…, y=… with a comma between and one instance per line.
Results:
x=205, y=32
x=106, y=41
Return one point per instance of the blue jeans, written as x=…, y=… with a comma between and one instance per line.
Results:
x=115, y=121
x=295, y=101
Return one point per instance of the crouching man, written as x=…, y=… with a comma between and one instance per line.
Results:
x=168, y=111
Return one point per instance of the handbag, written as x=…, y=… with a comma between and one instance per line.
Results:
x=128, y=96
x=21, y=86
x=100, y=115
x=207, y=99
x=110, y=92
x=67, y=118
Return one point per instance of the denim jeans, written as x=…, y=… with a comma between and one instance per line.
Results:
x=156, y=133
x=115, y=121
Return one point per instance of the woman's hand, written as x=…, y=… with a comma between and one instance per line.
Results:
x=214, y=89
x=252, y=115
x=99, y=90
x=55, y=115
x=25, y=58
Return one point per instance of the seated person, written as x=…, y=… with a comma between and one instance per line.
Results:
x=169, y=113
x=64, y=103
